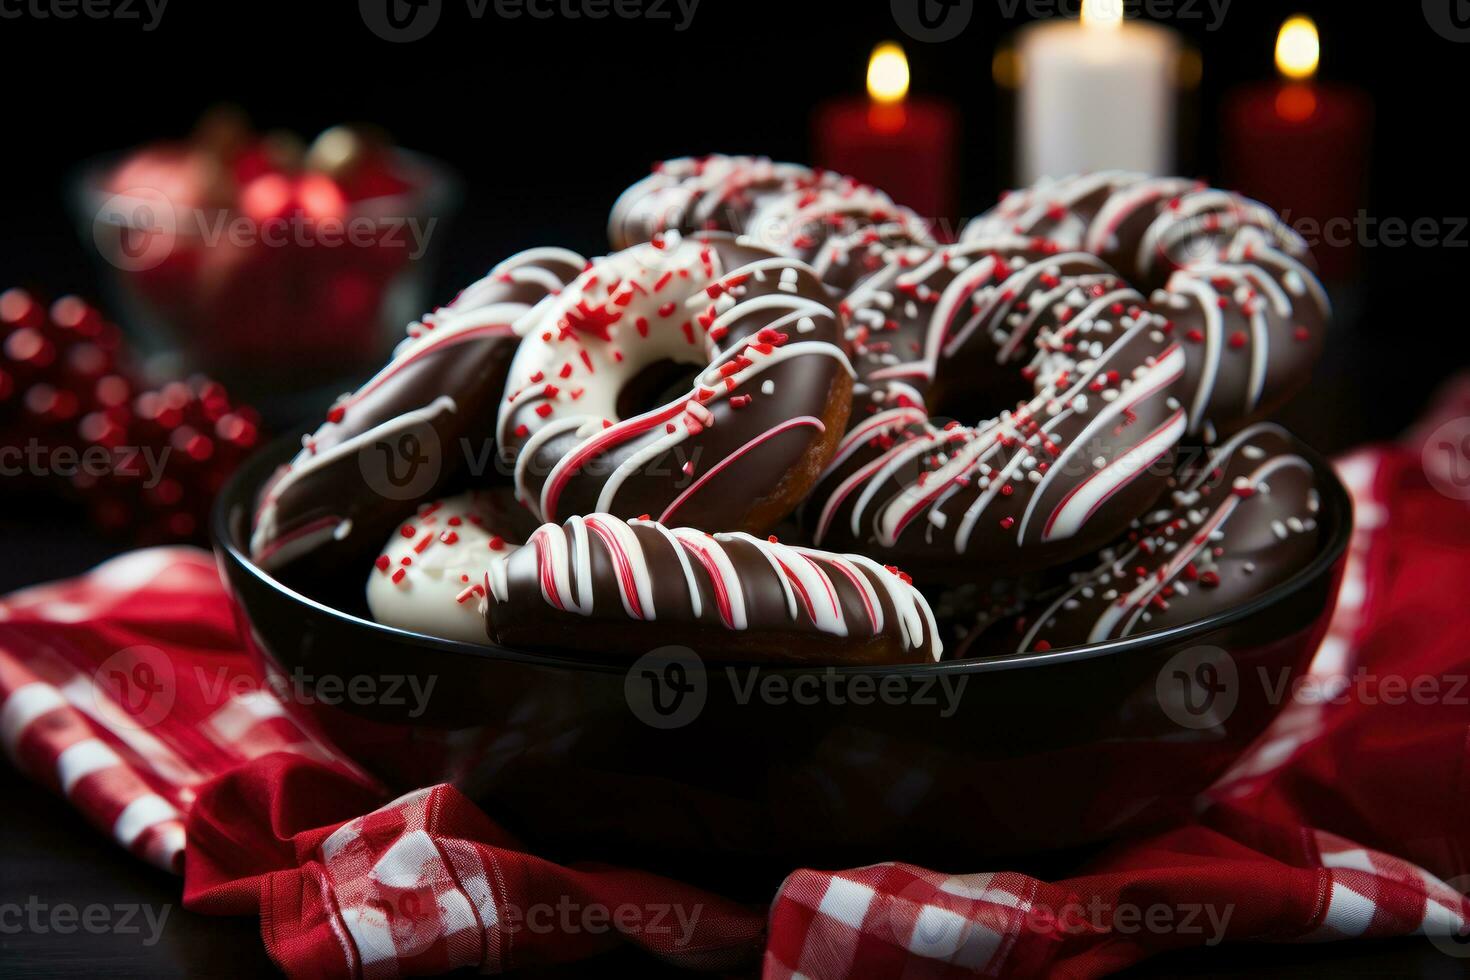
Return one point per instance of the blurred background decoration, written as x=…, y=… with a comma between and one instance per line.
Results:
x=79, y=420
x=274, y=265
x=1096, y=93
x=1301, y=145
x=904, y=145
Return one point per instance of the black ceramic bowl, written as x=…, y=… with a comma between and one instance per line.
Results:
x=735, y=775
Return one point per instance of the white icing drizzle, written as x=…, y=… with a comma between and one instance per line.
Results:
x=808, y=579
x=1124, y=612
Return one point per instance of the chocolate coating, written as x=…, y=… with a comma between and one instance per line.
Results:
x=710, y=193
x=1054, y=479
x=1145, y=227
x=602, y=586
x=1252, y=323
x=1225, y=270
x=839, y=226
x=1235, y=527
x=336, y=500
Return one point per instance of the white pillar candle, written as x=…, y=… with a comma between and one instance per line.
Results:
x=1096, y=94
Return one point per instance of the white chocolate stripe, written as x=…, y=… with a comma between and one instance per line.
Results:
x=1074, y=512
x=679, y=552
x=722, y=573
x=1210, y=366
x=629, y=565
x=1164, y=372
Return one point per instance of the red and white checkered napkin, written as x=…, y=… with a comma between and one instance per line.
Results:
x=126, y=691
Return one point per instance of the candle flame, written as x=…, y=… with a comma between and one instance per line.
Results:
x=1297, y=48
x=888, y=74
x=1106, y=14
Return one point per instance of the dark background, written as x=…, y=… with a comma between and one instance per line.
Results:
x=546, y=120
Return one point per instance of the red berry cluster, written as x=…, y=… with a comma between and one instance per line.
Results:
x=143, y=462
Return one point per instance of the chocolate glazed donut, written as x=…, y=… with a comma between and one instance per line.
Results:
x=839, y=226
x=441, y=387
x=1225, y=270
x=1145, y=227
x=1235, y=527
x=1062, y=474
x=601, y=585
x=700, y=381
x=711, y=193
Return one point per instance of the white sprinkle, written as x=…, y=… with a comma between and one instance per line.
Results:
x=768, y=387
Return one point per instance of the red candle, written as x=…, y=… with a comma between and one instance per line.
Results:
x=1302, y=147
x=900, y=145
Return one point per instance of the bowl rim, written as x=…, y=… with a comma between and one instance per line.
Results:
x=1336, y=504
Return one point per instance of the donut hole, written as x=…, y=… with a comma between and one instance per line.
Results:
x=656, y=384
x=971, y=398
